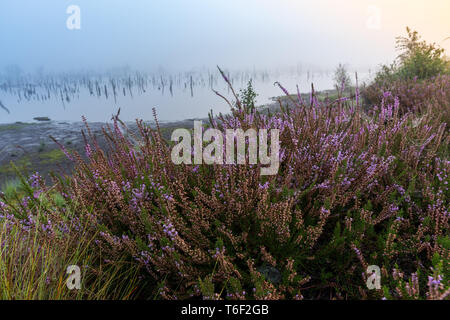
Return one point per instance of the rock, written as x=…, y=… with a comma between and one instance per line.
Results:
x=41, y=119
x=270, y=273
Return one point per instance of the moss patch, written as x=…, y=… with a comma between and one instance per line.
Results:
x=13, y=126
x=22, y=164
x=52, y=156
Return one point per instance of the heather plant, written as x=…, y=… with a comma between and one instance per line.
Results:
x=40, y=237
x=413, y=95
x=353, y=190
x=419, y=59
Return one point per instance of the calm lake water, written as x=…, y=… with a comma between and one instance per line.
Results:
x=177, y=103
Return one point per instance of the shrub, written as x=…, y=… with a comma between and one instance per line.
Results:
x=40, y=237
x=353, y=190
x=341, y=77
x=248, y=96
x=420, y=73
x=418, y=59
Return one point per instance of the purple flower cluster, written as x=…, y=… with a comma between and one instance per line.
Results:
x=169, y=229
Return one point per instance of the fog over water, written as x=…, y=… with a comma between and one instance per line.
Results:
x=174, y=97
x=171, y=41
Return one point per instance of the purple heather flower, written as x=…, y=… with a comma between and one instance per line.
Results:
x=169, y=229
x=35, y=180
x=264, y=186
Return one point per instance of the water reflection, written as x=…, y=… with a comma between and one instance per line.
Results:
x=176, y=96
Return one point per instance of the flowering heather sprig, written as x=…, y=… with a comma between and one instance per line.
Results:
x=35, y=180
x=2, y=206
x=169, y=229
x=360, y=257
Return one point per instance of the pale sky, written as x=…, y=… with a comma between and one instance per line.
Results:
x=182, y=34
